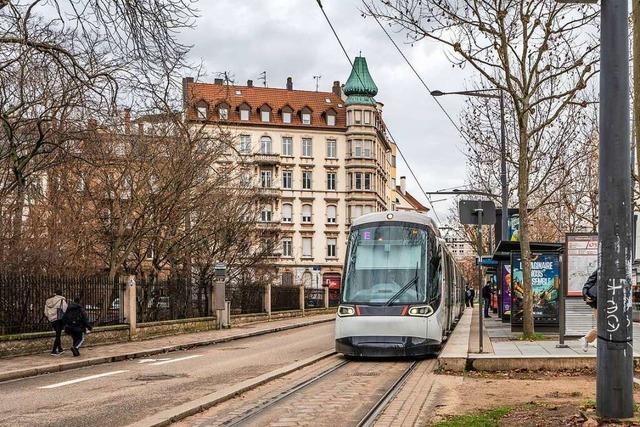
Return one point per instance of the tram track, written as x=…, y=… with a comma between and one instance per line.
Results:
x=256, y=411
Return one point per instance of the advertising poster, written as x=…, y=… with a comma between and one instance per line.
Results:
x=545, y=283
x=514, y=228
x=582, y=260
x=506, y=290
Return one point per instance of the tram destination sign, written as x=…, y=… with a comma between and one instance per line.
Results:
x=470, y=210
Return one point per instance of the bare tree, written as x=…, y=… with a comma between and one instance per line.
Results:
x=538, y=52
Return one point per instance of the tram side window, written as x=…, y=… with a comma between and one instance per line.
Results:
x=435, y=273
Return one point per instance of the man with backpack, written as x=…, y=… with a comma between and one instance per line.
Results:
x=590, y=295
x=76, y=324
x=54, y=309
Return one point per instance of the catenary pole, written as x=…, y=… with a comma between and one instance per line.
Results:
x=480, y=299
x=614, y=389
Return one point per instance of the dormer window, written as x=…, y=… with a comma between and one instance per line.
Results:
x=287, y=113
x=201, y=110
x=330, y=116
x=223, y=111
x=244, y=111
x=265, y=113
x=305, y=115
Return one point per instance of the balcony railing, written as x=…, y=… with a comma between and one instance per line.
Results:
x=268, y=191
x=266, y=159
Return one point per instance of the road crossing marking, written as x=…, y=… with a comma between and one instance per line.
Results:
x=78, y=380
x=152, y=360
x=179, y=359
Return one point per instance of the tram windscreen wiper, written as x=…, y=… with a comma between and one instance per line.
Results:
x=404, y=288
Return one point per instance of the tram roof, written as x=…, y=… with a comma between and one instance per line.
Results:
x=415, y=217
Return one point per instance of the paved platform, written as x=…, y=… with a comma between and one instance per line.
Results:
x=37, y=364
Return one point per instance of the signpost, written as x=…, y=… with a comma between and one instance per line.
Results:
x=478, y=212
x=220, y=273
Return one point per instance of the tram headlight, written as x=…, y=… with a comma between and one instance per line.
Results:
x=420, y=310
x=346, y=310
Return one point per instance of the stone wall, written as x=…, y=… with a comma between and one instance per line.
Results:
x=20, y=344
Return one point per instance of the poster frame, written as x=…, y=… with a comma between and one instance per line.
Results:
x=565, y=272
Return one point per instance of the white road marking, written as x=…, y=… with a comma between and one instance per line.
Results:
x=78, y=380
x=179, y=359
x=152, y=360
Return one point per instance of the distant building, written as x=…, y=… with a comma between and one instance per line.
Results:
x=405, y=201
x=457, y=241
x=324, y=159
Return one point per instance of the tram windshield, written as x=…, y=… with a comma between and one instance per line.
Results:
x=389, y=263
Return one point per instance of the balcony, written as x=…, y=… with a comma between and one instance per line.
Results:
x=268, y=191
x=266, y=159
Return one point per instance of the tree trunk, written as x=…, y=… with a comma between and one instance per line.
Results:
x=523, y=190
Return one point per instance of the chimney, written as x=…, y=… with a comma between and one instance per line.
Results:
x=127, y=121
x=336, y=89
x=185, y=94
x=249, y=83
x=218, y=81
x=289, y=83
x=403, y=185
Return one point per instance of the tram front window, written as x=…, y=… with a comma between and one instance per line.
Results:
x=387, y=264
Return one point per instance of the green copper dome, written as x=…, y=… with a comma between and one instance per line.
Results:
x=360, y=88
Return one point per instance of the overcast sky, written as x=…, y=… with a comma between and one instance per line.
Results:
x=291, y=38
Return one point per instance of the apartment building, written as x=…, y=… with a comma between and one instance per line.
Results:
x=321, y=158
x=404, y=201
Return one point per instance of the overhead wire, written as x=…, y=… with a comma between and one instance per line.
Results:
x=387, y=127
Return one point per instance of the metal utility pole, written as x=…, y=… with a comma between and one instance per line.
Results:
x=614, y=390
x=481, y=299
x=635, y=13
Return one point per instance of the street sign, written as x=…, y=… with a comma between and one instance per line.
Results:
x=488, y=262
x=469, y=210
x=220, y=270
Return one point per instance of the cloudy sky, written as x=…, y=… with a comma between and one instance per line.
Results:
x=291, y=38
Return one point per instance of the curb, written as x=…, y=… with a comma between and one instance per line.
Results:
x=492, y=363
x=193, y=407
x=46, y=369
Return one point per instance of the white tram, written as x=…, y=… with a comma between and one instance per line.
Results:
x=402, y=291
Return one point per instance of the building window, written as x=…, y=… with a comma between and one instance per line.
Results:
x=331, y=148
x=331, y=181
x=287, y=179
x=265, y=179
x=287, y=249
x=332, y=213
x=367, y=210
x=306, y=180
x=357, y=180
x=266, y=213
x=265, y=145
x=356, y=147
x=331, y=118
x=332, y=248
x=286, y=117
x=367, y=181
x=244, y=112
x=393, y=161
x=356, y=212
x=202, y=112
x=306, y=247
x=245, y=144
x=287, y=146
x=287, y=212
x=366, y=149
x=306, y=118
x=307, y=147
x=264, y=115
x=358, y=116
x=223, y=111
x=349, y=118
x=306, y=214
x=367, y=117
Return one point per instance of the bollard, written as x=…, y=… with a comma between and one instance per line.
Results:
x=130, y=306
x=267, y=300
x=326, y=297
x=302, y=299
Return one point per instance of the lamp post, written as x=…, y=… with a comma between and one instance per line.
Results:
x=486, y=93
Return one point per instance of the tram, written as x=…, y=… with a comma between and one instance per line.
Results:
x=402, y=292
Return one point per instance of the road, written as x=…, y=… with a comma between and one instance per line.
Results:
x=120, y=393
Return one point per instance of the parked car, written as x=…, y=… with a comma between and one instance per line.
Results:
x=159, y=302
x=115, y=305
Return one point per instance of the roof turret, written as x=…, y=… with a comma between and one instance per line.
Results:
x=360, y=88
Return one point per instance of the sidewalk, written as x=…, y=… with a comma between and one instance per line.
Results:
x=32, y=365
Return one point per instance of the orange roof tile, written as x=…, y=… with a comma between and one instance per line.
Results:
x=412, y=200
x=255, y=97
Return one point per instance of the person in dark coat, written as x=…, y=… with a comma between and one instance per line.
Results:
x=486, y=298
x=590, y=296
x=469, y=296
x=76, y=324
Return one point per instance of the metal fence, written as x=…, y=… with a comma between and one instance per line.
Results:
x=170, y=299
x=22, y=299
x=245, y=298
x=285, y=298
x=313, y=297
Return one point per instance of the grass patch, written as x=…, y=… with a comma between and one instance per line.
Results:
x=488, y=418
x=536, y=336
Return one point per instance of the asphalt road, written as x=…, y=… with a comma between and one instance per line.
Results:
x=120, y=393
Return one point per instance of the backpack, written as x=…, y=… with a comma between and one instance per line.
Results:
x=590, y=290
x=73, y=316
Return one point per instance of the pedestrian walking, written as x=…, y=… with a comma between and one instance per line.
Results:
x=54, y=309
x=76, y=324
x=469, y=296
x=486, y=298
x=590, y=296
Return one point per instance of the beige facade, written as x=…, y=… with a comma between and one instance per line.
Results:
x=322, y=163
